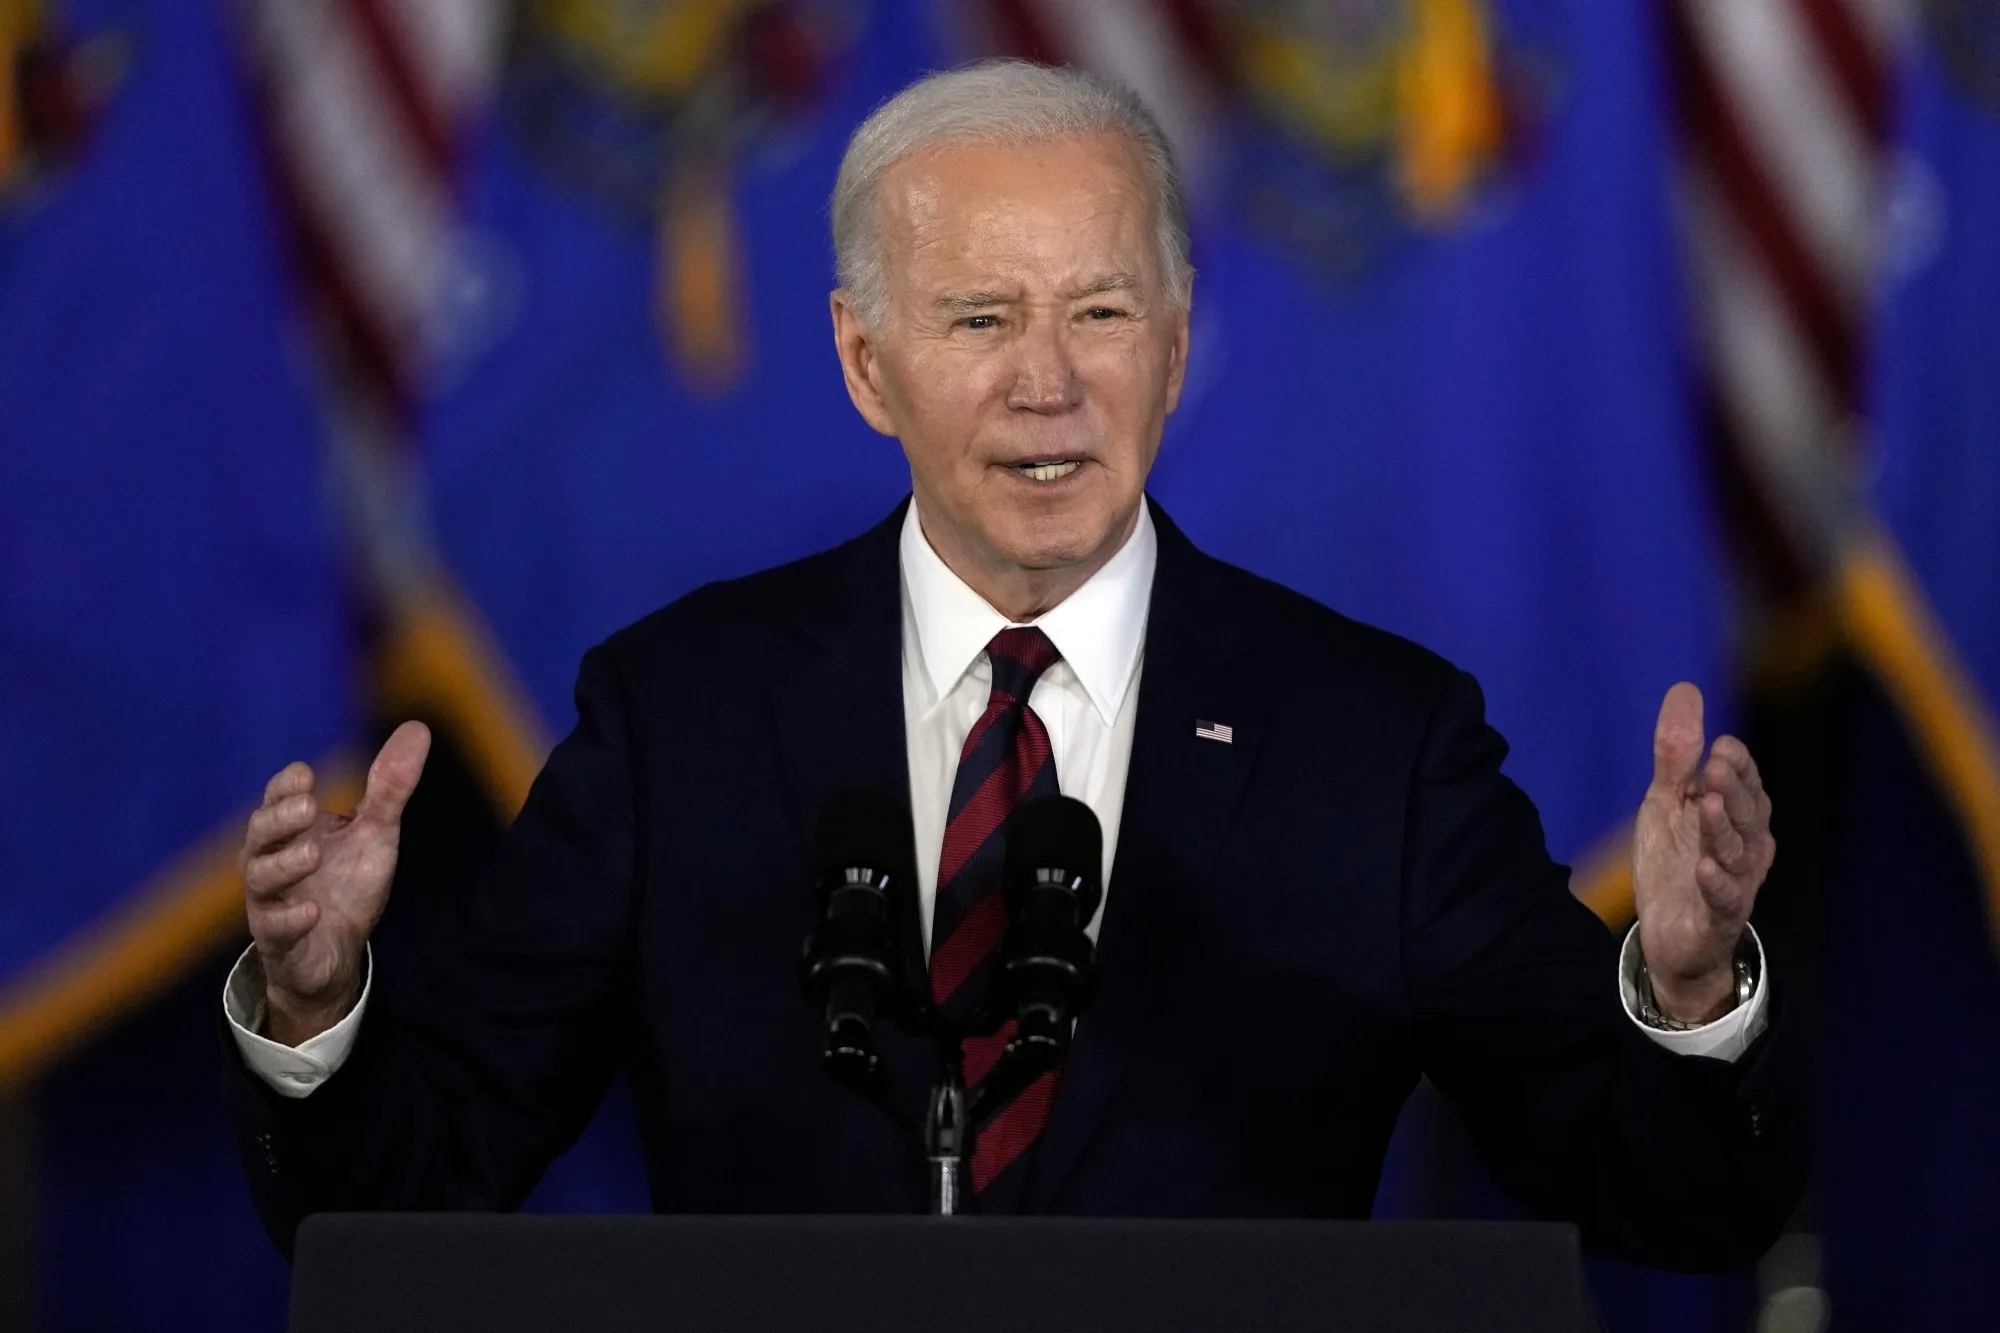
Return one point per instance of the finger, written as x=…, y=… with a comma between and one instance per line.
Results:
x=1719, y=837
x=1734, y=753
x=1756, y=828
x=273, y=825
x=282, y=927
x=393, y=775
x=1724, y=892
x=271, y=874
x=1737, y=799
x=291, y=780
x=1677, y=739
x=1737, y=755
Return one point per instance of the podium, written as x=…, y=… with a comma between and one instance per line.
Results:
x=406, y=1272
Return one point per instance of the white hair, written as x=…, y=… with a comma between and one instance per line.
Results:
x=1004, y=102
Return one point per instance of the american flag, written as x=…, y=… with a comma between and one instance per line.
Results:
x=363, y=104
x=1215, y=731
x=1784, y=172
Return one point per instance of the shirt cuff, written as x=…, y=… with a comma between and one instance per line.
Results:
x=1724, y=1039
x=290, y=1071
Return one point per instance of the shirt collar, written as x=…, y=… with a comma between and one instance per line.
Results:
x=1099, y=629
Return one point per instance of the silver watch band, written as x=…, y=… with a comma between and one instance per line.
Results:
x=1652, y=1016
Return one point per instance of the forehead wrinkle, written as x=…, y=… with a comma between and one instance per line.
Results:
x=922, y=200
x=990, y=256
x=943, y=232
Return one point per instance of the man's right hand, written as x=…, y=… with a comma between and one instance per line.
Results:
x=315, y=884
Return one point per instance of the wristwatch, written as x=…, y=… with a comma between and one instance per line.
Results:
x=1651, y=1014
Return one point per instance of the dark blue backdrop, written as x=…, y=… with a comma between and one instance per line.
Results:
x=1472, y=426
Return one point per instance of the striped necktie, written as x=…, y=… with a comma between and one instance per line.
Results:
x=1006, y=762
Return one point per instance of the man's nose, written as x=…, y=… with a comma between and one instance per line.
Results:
x=1045, y=371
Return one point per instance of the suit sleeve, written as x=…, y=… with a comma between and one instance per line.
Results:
x=501, y=1045
x=1671, y=1160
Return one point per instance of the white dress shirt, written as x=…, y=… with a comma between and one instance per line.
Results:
x=1088, y=702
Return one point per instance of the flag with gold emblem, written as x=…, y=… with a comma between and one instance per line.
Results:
x=653, y=401
x=171, y=611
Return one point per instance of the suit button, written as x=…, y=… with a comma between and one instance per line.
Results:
x=1757, y=1123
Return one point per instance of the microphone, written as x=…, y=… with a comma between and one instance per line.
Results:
x=862, y=868
x=1048, y=966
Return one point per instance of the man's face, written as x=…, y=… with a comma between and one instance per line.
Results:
x=1028, y=356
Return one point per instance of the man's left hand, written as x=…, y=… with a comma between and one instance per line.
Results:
x=1701, y=847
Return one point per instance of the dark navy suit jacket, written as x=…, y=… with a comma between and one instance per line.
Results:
x=1301, y=923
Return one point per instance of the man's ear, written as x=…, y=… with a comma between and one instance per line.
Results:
x=1177, y=367
x=858, y=362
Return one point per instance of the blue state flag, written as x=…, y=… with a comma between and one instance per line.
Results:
x=1439, y=374
x=171, y=625
x=661, y=406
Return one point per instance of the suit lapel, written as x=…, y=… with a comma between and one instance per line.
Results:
x=840, y=725
x=1181, y=795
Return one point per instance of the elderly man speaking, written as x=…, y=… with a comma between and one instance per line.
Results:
x=1319, y=885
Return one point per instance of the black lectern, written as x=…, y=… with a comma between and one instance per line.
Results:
x=419, y=1273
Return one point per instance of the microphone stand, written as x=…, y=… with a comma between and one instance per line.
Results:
x=947, y=1136
x=957, y=1115
x=954, y=1114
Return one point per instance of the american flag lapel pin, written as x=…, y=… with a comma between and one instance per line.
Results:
x=1214, y=731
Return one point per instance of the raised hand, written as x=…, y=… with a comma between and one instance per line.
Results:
x=315, y=884
x=1700, y=850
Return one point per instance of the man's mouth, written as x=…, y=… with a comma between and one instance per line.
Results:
x=1055, y=471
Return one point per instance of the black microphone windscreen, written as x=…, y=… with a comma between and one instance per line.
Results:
x=1056, y=832
x=862, y=827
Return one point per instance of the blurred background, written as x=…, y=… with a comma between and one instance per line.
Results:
x=364, y=359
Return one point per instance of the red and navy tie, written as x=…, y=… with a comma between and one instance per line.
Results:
x=1006, y=762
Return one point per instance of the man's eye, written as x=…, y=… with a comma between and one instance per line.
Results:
x=981, y=321
x=1102, y=312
